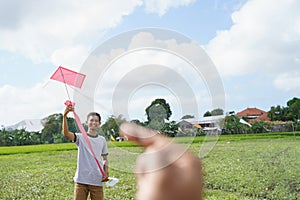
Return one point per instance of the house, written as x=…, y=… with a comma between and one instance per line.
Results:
x=211, y=124
x=253, y=114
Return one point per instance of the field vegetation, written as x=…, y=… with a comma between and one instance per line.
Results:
x=253, y=166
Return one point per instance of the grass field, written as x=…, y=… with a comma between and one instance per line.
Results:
x=239, y=167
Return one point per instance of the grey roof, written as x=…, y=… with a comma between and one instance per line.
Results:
x=203, y=120
x=31, y=125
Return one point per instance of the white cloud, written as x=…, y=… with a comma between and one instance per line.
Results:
x=148, y=73
x=40, y=101
x=264, y=39
x=37, y=29
x=162, y=6
x=70, y=57
x=46, y=31
x=288, y=82
x=60, y=32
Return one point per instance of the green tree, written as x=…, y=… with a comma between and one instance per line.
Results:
x=217, y=111
x=259, y=127
x=23, y=137
x=72, y=125
x=276, y=113
x=158, y=109
x=3, y=137
x=232, y=125
x=207, y=114
x=214, y=112
x=170, y=129
x=187, y=116
x=18, y=137
x=158, y=112
x=293, y=109
x=111, y=126
x=52, y=129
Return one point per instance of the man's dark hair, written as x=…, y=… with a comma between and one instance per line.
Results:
x=94, y=114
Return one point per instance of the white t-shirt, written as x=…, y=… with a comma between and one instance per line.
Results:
x=88, y=171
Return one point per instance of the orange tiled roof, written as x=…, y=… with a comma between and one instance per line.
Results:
x=255, y=113
x=250, y=112
x=263, y=117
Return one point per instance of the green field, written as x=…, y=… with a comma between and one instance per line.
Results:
x=239, y=167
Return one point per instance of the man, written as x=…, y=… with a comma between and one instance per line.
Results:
x=88, y=178
x=165, y=170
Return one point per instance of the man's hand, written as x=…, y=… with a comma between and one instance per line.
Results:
x=105, y=165
x=104, y=179
x=165, y=170
x=68, y=109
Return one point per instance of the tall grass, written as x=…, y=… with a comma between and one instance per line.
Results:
x=239, y=167
x=8, y=150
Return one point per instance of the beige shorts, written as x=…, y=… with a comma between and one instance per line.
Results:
x=81, y=192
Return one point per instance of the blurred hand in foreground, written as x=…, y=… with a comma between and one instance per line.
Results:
x=165, y=170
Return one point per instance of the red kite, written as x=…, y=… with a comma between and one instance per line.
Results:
x=68, y=76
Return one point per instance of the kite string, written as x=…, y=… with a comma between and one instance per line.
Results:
x=92, y=100
x=67, y=91
x=62, y=74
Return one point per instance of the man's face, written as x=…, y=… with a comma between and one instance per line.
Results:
x=93, y=122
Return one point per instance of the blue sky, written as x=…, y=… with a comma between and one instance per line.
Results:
x=254, y=44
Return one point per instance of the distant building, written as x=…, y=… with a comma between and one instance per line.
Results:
x=253, y=114
x=30, y=125
x=211, y=124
